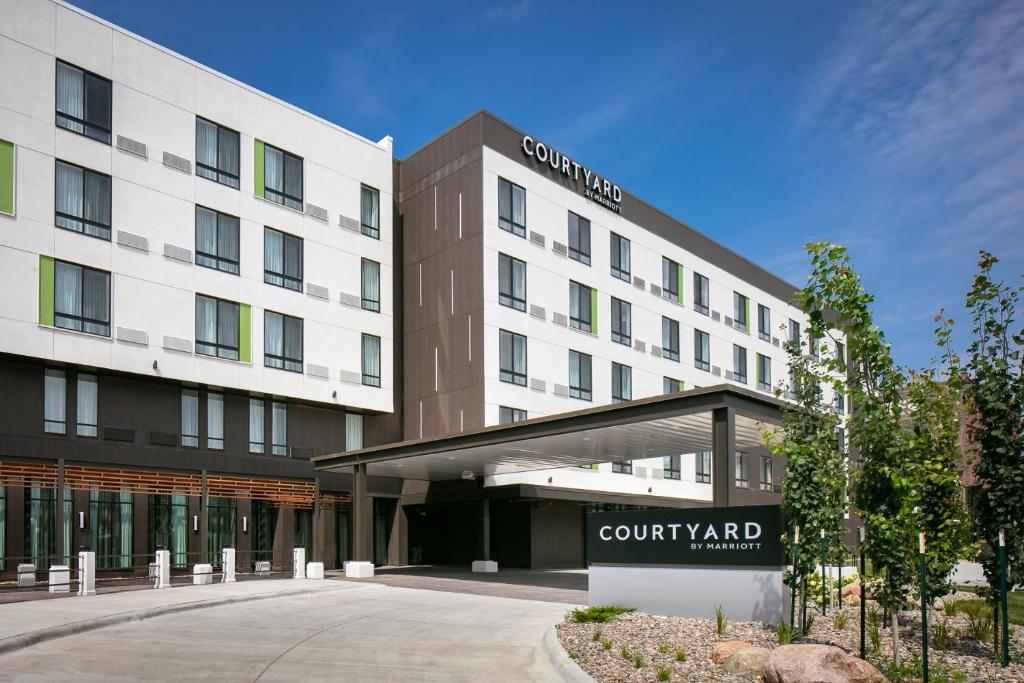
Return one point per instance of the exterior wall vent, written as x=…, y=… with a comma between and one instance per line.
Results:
x=176, y=162
x=177, y=344
x=350, y=300
x=640, y=472
x=657, y=473
x=177, y=253
x=655, y=289
x=118, y=434
x=559, y=248
x=537, y=238
x=538, y=312
x=656, y=351
x=775, y=341
x=163, y=439
x=351, y=377
x=559, y=319
x=561, y=390
x=317, y=371
x=728, y=321
x=639, y=283
x=715, y=315
x=131, y=336
x=132, y=146
x=299, y=453
x=639, y=345
x=538, y=384
x=349, y=223
x=318, y=291
x=127, y=239
x=716, y=371
x=317, y=212
x=729, y=375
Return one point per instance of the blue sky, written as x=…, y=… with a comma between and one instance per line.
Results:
x=896, y=129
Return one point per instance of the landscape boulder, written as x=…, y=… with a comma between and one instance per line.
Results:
x=748, y=662
x=722, y=651
x=817, y=664
x=852, y=589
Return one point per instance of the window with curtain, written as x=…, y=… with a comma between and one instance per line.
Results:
x=669, y=338
x=622, y=383
x=740, y=304
x=701, y=294
x=579, y=238
x=370, y=285
x=670, y=385
x=83, y=102
x=511, y=282
x=86, y=405
x=217, y=332
x=512, y=357
x=766, y=473
x=794, y=332
x=371, y=360
x=511, y=207
x=81, y=299
x=739, y=364
x=508, y=415
x=703, y=467
x=701, y=350
x=279, y=429
x=369, y=211
x=220, y=528
x=764, y=372
x=282, y=259
x=110, y=518
x=580, y=384
x=620, y=257
x=168, y=527
x=353, y=431
x=669, y=278
x=282, y=341
x=40, y=526
x=215, y=421
x=256, y=431
x=764, y=322
x=742, y=470
x=622, y=322
x=82, y=200
x=579, y=306
x=54, y=401
x=216, y=240
x=622, y=466
x=217, y=153
x=840, y=404
x=670, y=467
x=190, y=418
x=282, y=177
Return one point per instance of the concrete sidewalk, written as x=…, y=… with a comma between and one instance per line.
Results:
x=27, y=623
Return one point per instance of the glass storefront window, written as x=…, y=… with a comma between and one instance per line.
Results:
x=168, y=527
x=220, y=515
x=40, y=526
x=264, y=529
x=110, y=518
x=304, y=532
x=341, y=522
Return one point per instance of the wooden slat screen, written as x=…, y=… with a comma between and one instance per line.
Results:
x=335, y=501
x=80, y=478
x=37, y=475
x=283, y=492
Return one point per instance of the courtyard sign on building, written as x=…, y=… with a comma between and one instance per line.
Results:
x=594, y=187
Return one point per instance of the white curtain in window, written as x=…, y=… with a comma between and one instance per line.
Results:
x=371, y=280
x=206, y=320
x=505, y=199
x=574, y=300
x=96, y=200
x=518, y=205
x=273, y=334
x=86, y=402
x=69, y=190
x=519, y=280
x=206, y=231
x=293, y=340
x=353, y=431
x=255, y=425
x=227, y=237
x=189, y=417
x=215, y=420
x=574, y=369
x=96, y=300
x=67, y=296
x=227, y=152
x=370, y=207
x=273, y=169
x=505, y=351
x=125, y=531
x=206, y=143
x=280, y=429
x=179, y=530
x=293, y=176
x=273, y=251
x=371, y=355
x=70, y=93
x=54, y=401
x=227, y=323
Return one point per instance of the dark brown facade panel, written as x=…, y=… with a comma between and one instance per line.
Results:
x=463, y=138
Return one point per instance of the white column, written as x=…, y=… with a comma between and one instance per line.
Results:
x=87, y=573
x=298, y=563
x=163, y=569
x=227, y=563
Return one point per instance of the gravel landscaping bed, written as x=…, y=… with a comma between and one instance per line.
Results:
x=655, y=640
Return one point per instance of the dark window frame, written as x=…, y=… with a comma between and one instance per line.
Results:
x=271, y=360
x=616, y=241
x=620, y=371
x=82, y=220
x=699, y=361
x=507, y=223
x=622, y=466
x=766, y=484
x=372, y=231
x=742, y=460
x=764, y=322
x=739, y=353
x=584, y=393
x=668, y=350
x=701, y=294
x=578, y=322
x=764, y=379
x=218, y=346
x=365, y=303
x=703, y=465
x=286, y=281
x=369, y=379
x=509, y=299
x=577, y=253
x=229, y=179
x=220, y=263
x=91, y=429
x=82, y=320
x=618, y=335
x=671, y=467
x=104, y=133
x=672, y=382
x=510, y=375
x=669, y=272
x=281, y=196
x=515, y=415
x=740, y=316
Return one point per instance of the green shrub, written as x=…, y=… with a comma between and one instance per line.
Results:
x=607, y=643
x=599, y=614
x=680, y=656
x=942, y=634
x=875, y=629
x=639, y=662
x=664, y=673
x=624, y=653
x=840, y=619
x=720, y=621
x=784, y=632
x=663, y=649
x=809, y=622
x=596, y=635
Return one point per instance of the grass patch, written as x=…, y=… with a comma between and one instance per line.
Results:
x=664, y=673
x=598, y=614
x=1014, y=603
x=784, y=632
x=680, y=656
x=639, y=662
x=607, y=643
x=720, y=620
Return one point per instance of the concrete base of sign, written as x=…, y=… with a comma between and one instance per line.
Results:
x=744, y=593
x=359, y=570
x=26, y=575
x=60, y=578
x=202, y=574
x=485, y=566
x=87, y=573
x=314, y=570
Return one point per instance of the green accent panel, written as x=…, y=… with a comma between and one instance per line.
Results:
x=593, y=311
x=244, y=333
x=45, y=290
x=748, y=313
x=257, y=168
x=757, y=366
x=6, y=177
x=594, y=466
x=679, y=276
x=682, y=385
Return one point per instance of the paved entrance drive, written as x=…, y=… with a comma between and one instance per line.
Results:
x=551, y=585
x=346, y=631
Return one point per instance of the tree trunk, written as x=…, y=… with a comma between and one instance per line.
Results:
x=895, y=638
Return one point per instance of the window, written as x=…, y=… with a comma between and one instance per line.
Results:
x=190, y=418
x=580, y=366
x=83, y=102
x=766, y=473
x=282, y=259
x=764, y=372
x=764, y=322
x=216, y=327
x=508, y=415
x=512, y=357
x=216, y=240
x=86, y=405
x=282, y=177
x=812, y=345
x=840, y=404
x=371, y=360
x=841, y=356
x=511, y=282
x=279, y=429
x=622, y=383
x=670, y=385
x=739, y=364
x=54, y=401
x=256, y=425
x=110, y=516
x=82, y=200
x=741, y=311
x=216, y=153
x=670, y=467
x=81, y=299
x=701, y=294
x=623, y=466
x=702, y=472
x=370, y=285
x=282, y=341
x=580, y=298
x=353, y=431
x=671, y=279
x=215, y=421
x=701, y=350
x=369, y=212
x=511, y=207
x=620, y=257
x=794, y=332
x=579, y=238
x=669, y=338
x=742, y=470
x=621, y=322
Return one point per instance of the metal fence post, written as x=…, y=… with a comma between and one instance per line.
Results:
x=863, y=596
x=824, y=584
x=923, y=570
x=1003, y=599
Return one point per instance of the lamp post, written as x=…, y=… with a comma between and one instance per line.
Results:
x=922, y=565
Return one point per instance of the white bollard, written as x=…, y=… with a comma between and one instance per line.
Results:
x=163, y=569
x=358, y=570
x=314, y=570
x=26, y=575
x=87, y=573
x=227, y=563
x=298, y=563
x=60, y=578
x=202, y=574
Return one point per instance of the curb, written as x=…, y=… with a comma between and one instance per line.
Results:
x=74, y=628
x=568, y=669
